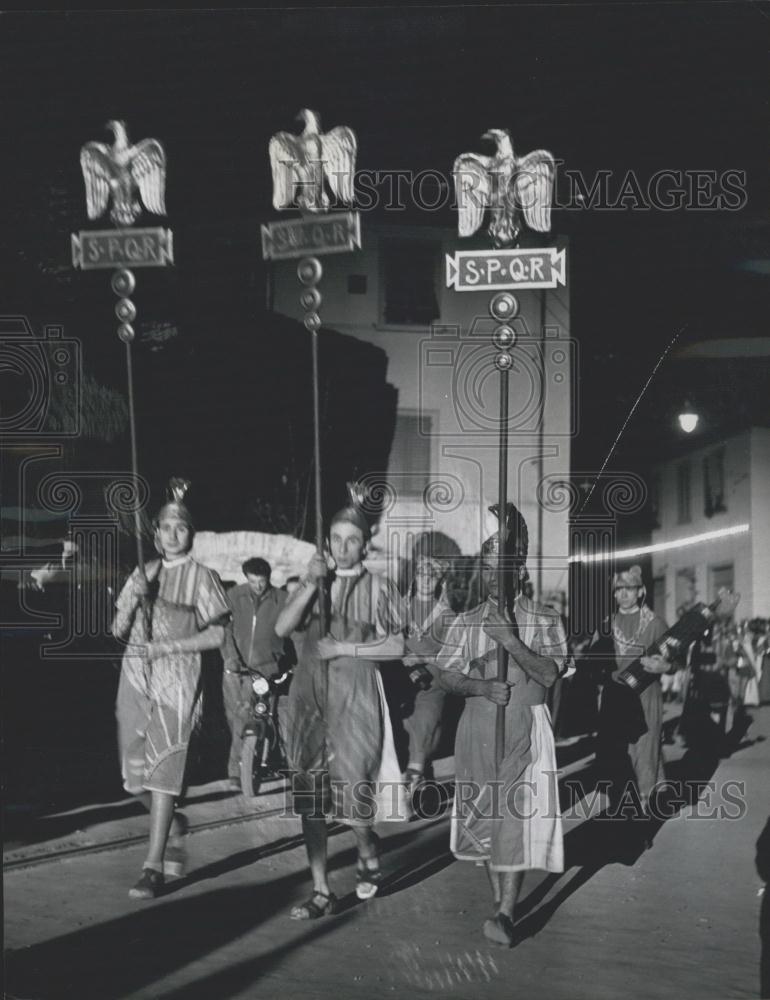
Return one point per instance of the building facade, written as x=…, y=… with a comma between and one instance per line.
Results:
x=443, y=467
x=712, y=508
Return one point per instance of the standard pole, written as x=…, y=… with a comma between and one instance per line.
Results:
x=319, y=528
x=502, y=656
x=135, y=471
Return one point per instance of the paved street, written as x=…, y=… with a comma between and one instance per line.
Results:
x=680, y=919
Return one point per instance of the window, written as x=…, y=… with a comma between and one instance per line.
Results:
x=683, y=492
x=410, y=454
x=410, y=271
x=720, y=576
x=714, y=483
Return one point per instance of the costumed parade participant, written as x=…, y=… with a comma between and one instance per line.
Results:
x=506, y=813
x=159, y=694
x=629, y=723
x=426, y=614
x=339, y=740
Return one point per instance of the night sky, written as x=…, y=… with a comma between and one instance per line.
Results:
x=605, y=87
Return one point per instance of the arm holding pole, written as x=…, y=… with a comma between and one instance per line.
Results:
x=455, y=665
x=133, y=596
x=498, y=692
x=542, y=669
x=295, y=608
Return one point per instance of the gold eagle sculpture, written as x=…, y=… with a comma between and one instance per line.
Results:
x=512, y=188
x=119, y=171
x=302, y=164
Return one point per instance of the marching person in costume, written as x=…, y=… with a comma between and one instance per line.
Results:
x=634, y=627
x=339, y=740
x=159, y=692
x=506, y=814
x=426, y=614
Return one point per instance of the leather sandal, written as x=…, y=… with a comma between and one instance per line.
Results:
x=312, y=909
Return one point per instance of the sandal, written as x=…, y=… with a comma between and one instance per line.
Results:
x=149, y=885
x=499, y=930
x=312, y=909
x=369, y=878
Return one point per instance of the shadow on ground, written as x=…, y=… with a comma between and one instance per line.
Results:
x=130, y=953
x=611, y=839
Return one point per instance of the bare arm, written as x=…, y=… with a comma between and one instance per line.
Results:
x=292, y=613
x=124, y=617
x=135, y=588
x=542, y=669
x=389, y=647
x=459, y=684
x=210, y=638
x=498, y=692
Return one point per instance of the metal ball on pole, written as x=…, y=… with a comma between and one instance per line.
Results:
x=309, y=271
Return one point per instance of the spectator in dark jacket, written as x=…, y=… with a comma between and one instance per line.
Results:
x=250, y=645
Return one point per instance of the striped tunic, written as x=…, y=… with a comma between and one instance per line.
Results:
x=339, y=738
x=509, y=815
x=159, y=702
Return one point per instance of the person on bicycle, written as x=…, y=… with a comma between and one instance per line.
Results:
x=250, y=645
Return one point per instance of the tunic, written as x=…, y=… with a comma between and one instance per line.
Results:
x=339, y=738
x=425, y=637
x=159, y=702
x=509, y=815
x=632, y=635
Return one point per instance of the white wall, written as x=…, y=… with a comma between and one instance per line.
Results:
x=747, y=501
x=447, y=372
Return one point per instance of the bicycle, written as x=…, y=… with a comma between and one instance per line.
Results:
x=261, y=739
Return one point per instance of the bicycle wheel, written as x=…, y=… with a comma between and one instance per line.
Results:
x=253, y=758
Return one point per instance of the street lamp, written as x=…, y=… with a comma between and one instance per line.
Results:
x=688, y=418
